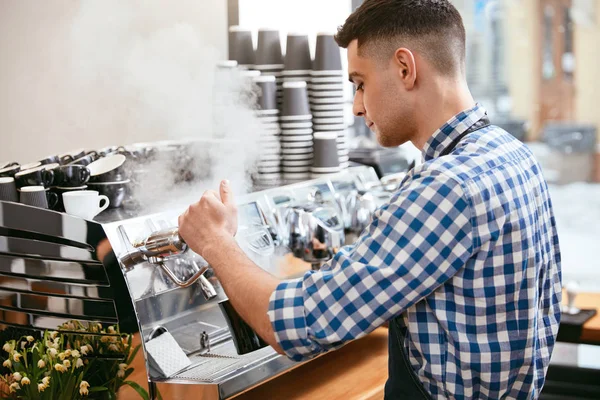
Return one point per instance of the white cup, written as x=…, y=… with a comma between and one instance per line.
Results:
x=84, y=203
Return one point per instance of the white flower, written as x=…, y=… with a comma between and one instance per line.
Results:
x=67, y=353
x=123, y=366
x=83, y=388
x=53, y=352
x=111, y=329
x=23, y=344
x=17, y=376
x=7, y=363
x=14, y=387
x=67, y=363
x=75, y=354
x=41, y=364
x=25, y=381
x=53, y=334
x=84, y=350
x=113, y=347
x=90, y=348
x=59, y=367
x=61, y=356
x=7, y=347
x=41, y=387
x=79, y=363
x=49, y=343
x=16, y=356
x=46, y=380
x=121, y=374
x=30, y=339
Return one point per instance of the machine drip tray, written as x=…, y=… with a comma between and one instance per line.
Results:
x=222, y=362
x=188, y=335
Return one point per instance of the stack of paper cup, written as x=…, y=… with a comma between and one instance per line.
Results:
x=297, y=62
x=296, y=132
x=241, y=48
x=269, y=59
x=269, y=163
x=325, y=156
x=327, y=93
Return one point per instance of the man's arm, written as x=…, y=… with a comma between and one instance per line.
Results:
x=208, y=227
x=414, y=244
x=247, y=286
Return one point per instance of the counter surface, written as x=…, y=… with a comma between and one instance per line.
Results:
x=356, y=371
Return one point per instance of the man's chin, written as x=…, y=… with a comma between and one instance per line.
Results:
x=388, y=141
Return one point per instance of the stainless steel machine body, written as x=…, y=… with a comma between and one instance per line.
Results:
x=135, y=271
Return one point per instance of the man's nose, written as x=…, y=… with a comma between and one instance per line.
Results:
x=358, y=107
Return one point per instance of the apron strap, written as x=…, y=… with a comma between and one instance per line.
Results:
x=484, y=122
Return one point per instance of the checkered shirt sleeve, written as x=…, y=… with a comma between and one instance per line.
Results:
x=414, y=244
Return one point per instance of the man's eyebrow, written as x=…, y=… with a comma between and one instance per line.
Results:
x=354, y=74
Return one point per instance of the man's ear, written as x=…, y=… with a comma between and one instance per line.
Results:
x=404, y=61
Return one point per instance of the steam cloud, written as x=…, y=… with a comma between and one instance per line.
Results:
x=164, y=73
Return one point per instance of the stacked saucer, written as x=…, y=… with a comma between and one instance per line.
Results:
x=269, y=164
x=325, y=159
x=296, y=132
x=269, y=59
x=241, y=48
x=297, y=62
x=327, y=93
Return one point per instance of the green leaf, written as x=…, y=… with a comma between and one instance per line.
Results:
x=141, y=391
x=133, y=354
x=128, y=372
x=98, y=389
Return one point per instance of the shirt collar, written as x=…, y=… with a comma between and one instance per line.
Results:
x=444, y=136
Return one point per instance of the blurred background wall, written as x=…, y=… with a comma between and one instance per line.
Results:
x=62, y=65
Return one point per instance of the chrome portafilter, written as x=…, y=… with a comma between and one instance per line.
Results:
x=164, y=245
x=161, y=245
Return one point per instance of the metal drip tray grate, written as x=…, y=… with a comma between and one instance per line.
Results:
x=188, y=335
x=223, y=361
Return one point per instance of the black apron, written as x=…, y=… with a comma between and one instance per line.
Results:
x=403, y=382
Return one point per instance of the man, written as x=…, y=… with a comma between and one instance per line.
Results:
x=463, y=261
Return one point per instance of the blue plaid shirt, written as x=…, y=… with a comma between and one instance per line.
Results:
x=466, y=252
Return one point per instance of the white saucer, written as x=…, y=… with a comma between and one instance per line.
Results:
x=288, y=145
x=327, y=81
x=296, y=138
x=297, y=163
x=295, y=125
x=297, y=151
x=325, y=170
x=296, y=175
x=329, y=127
x=328, y=120
x=328, y=114
x=339, y=100
x=285, y=118
x=327, y=107
x=285, y=132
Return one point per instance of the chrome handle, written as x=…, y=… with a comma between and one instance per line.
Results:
x=191, y=280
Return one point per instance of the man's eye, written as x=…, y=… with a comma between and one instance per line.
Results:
x=360, y=87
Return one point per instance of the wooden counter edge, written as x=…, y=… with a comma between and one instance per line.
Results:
x=356, y=371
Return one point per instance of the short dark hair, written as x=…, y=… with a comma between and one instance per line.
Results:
x=434, y=28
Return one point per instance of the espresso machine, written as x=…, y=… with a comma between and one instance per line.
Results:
x=135, y=270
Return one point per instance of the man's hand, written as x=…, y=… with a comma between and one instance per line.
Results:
x=209, y=221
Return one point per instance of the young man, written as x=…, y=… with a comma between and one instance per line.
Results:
x=463, y=261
